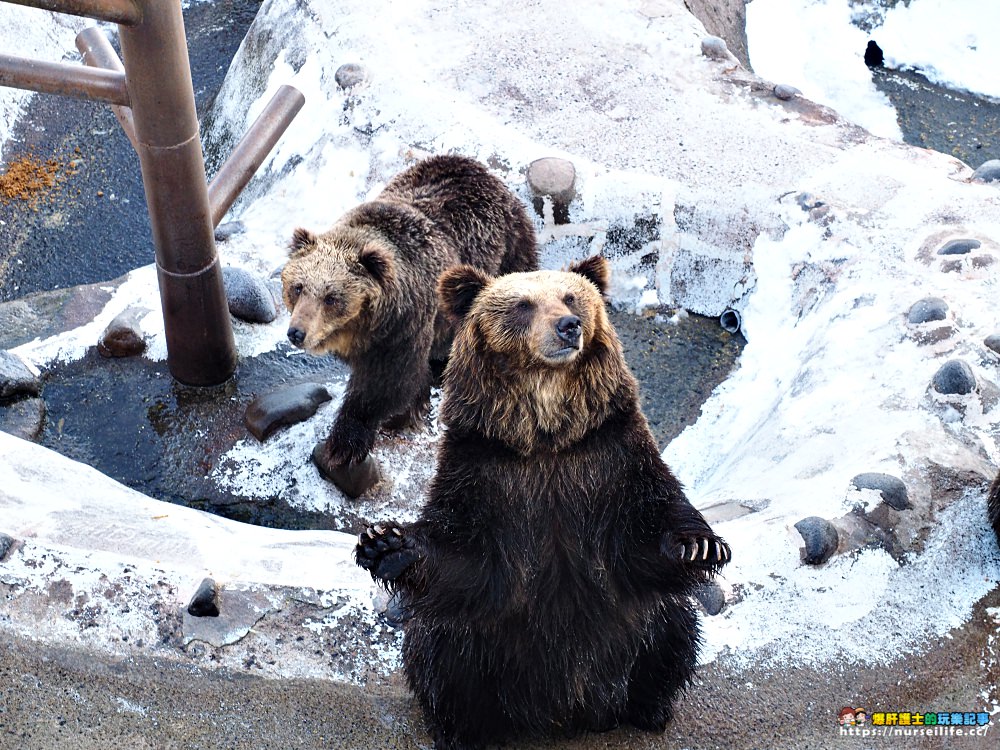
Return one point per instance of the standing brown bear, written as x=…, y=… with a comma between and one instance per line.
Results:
x=366, y=289
x=547, y=581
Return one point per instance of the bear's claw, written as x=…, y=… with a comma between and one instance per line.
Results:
x=385, y=552
x=704, y=551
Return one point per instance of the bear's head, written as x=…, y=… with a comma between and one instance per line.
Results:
x=332, y=284
x=535, y=362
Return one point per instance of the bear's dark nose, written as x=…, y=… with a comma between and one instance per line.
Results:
x=296, y=335
x=568, y=329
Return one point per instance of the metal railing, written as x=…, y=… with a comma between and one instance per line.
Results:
x=151, y=94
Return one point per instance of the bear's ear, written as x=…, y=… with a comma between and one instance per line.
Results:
x=302, y=241
x=377, y=262
x=595, y=269
x=458, y=288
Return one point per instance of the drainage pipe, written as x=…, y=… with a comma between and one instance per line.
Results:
x=731, y=321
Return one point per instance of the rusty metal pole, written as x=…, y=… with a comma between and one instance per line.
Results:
x=115, y=11
x=252, y=149
x=200, y=346
x=97, y=52
x=60, y=78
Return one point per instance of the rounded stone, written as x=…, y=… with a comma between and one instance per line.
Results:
x=268, y=413
x=993, y=342
x=785, y=92
x=351, y=479
x=16, y=379
x=123, y=336
x=820, y=537
x=954, y=378
x=959, y=247
x=23, y=418
x=988, y=171
x=6, y=543
x=224, y=231
x=205, y=602
x=553, y=177
x=927, y=310
x=350, y=75
x=715, y=48
x=711, y=597
x=248, y=296
x=892, y=489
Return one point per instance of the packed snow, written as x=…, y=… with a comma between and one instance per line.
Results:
x=821, y=235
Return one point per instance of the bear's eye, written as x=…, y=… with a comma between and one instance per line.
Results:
x=330, y=300
x=297, y=290
x=523, y=306
x=569, y=300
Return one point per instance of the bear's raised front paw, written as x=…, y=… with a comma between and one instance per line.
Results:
x=385, y=552
x=702, y=551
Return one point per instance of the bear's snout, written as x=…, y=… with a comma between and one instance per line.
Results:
x=569, y=330
x=297, y=336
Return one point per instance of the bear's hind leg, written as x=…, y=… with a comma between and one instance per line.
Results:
x=662, y=669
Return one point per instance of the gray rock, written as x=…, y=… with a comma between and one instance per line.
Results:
x=266, y=414
x=231, y=228
x=350, y=75
x=785, y=92
x=6, y=542
x=249, y=297
x=205, y=602
x=959, y=247
x=927, y=310
x=993, y=342
x=715, y=48
x=23, y=418
x=353, y=479
x=954, y=377
x=988, y=171
x=123, y=336
x=711, y=597
x=892, y=488
x=820, y=537
x=16, y=380
x=552, y=177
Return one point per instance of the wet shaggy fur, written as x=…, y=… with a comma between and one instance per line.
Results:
x=993, y=507
x=547, y=580
x=366, y=290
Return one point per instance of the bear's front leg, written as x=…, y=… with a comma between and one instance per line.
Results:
x=705, y=551
x=385, y=552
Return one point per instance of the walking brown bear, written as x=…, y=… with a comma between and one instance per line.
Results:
x=547, y=580
x=366, y=289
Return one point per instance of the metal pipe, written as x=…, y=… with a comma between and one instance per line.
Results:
x=200, y=346
x=252, y=149
x=731, y=321
x=113, y=11
x=98, y=53
x=64, y=79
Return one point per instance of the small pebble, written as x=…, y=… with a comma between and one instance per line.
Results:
x=249, y=297
x=959, y=247
x=205, y=602
x=6, y=542
x=123, y=336
x=820, y=537
x=266, y=414
x=927, y=310
x=711, y=597
x=715, y=48
x=988, y=171
x=993, y=342
x=16, y=379
x=350, y=75
x=955, y=377
x=892, y=489
x=231, y=228
x=785, y=92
